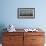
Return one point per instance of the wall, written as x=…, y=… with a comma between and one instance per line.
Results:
x=8, y=13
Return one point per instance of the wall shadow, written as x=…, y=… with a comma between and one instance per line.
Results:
x=2, y=29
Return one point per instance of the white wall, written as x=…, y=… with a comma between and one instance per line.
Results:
x=9, y=13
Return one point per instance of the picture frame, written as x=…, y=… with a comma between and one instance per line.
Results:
x=26, y=13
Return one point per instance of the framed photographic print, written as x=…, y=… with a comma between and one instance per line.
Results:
x=28, y=13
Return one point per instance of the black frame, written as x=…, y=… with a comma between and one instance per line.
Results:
x=29, y=16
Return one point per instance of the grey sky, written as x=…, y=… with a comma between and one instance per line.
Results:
x=27, y=11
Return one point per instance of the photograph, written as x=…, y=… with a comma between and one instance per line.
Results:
x=22, y=23
x=26, y=13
